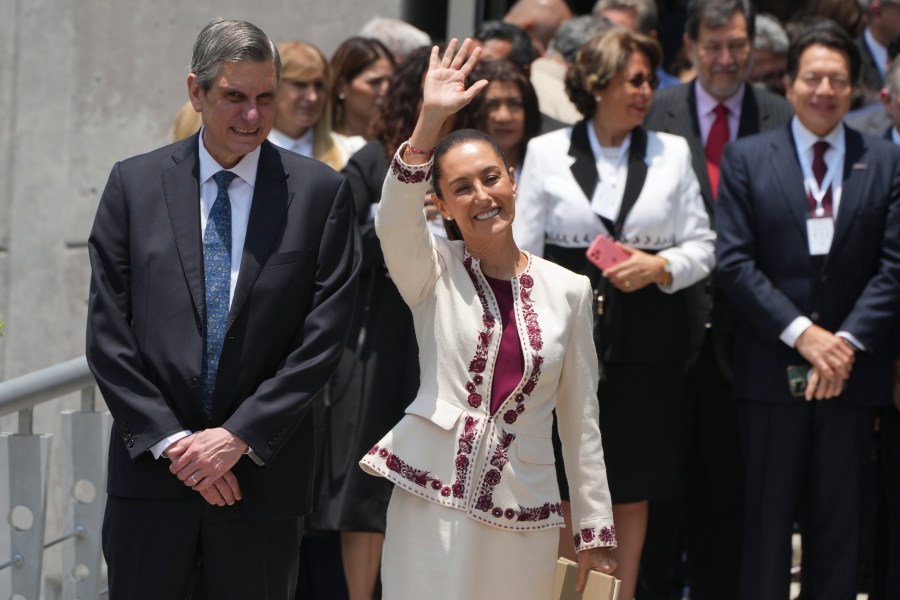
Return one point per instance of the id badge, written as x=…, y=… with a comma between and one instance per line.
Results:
x=819, y=231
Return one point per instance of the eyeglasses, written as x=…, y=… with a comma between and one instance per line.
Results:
x=838, y=83
x=638, y=81
x=735, y=48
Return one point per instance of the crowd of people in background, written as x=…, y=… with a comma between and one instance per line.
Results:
x=713, y=456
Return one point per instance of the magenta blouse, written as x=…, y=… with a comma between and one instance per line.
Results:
x=510, y=362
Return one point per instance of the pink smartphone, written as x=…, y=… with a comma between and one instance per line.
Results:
x=604, y=253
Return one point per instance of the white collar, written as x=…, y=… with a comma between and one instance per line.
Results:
x=245, y=169
x=805, y=139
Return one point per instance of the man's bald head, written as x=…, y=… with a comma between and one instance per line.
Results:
x=540, y=18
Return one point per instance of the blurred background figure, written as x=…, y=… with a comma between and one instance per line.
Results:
x=361, y=69
x=398, y=36
x=548, y=72
x=883, y=24
x=540, y=19
x=640, y=16
x=507, y=109
x=890, y=95
x=379, y=373
x=186, y=123
x=609, y=176
x=502, y=41
x=302, y=119
x=768, y=64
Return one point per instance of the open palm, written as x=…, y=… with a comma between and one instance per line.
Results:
x=444, y=89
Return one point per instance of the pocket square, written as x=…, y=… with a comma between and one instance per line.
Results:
x=859, y=166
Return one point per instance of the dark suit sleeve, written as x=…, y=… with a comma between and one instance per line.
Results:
x=142, y=414
x=748, y=288
x=268, y=416
x=365, y=172
x=876, y=309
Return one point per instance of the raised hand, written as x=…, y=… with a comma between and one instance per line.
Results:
x=444, y=89
x=444, y=92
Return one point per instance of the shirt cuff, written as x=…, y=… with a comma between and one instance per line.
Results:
x=794, y=330
x=853, y=341
x=159, y=447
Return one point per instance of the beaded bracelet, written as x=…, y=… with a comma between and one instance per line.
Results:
x=416, y=152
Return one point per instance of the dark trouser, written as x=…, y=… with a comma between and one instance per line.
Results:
x=815, y=451
x=164, y=548
x=886, y=571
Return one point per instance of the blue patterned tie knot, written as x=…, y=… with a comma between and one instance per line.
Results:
x=217, y=273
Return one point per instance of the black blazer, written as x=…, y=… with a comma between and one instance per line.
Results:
x=674, y=110
x=286, y=328
x=765, y=268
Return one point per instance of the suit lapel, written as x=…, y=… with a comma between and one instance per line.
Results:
x=181, y=187
x=689, y=123
x=267, y=212
x=786, y=170
x=584, y=169
x=853, y=186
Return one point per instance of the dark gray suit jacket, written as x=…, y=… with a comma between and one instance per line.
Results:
x=674, y=110
x=289, y=317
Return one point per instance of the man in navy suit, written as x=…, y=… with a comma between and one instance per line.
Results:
x=223, y=279
x=718, y=37
x=808, y=251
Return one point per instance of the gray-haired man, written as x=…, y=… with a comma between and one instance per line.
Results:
x=224, y=273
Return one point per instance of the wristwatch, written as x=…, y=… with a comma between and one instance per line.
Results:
x=667, y=273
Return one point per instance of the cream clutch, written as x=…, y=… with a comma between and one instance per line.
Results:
x=599, y=585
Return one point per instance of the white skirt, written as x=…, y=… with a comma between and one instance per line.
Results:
x=433, y=552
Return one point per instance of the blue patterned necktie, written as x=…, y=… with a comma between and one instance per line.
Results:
x=217, y=271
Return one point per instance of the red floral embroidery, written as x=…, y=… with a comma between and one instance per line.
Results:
x=531, y=320
x=500, y=457
x=373, y=450
x=607, y=535
x=466, y=444
x=534, y=513
x=397, y=465
x=406, y=174
x=479, y=361
x=510, y=416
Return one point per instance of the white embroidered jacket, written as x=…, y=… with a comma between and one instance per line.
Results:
x=448, y=448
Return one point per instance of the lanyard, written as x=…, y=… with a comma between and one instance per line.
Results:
x=818, y=191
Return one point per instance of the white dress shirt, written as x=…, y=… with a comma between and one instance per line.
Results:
x=879, y=52
x=895, y=136
x=240, y=193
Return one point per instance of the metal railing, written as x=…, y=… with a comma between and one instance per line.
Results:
x=23, y=495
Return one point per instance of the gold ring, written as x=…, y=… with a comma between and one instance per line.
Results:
x=194, y=478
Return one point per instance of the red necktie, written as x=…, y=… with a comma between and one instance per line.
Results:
x=819, y=169
x=715, y=144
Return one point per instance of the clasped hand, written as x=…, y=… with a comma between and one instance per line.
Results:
x=832, y=359
x=203, y=462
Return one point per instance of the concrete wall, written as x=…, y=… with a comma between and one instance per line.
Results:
x=82, y=85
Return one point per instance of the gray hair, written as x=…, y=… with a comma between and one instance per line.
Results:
x=770, y=35
x=223, y=40
x=398, y=36
x=717, y=13
x=892, y=79
x=575, y=33
x=646, y=11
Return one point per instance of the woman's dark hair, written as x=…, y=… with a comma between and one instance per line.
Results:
x=824, y=32
x=599, y=60
x=352, y=57
x=452, y=140
x=396, y=117
x=475, y=115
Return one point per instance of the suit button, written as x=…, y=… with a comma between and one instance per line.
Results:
x=708, y=325
x=194, y=382
x=814, y=316
x=130, y=443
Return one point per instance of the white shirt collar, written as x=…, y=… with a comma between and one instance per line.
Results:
x=245, y=169
x=706, y=102
x=302, y=145
x=805, y=139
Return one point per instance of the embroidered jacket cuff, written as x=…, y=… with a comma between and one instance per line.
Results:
x=595, y=534
x=410, y=173
x=792, y=332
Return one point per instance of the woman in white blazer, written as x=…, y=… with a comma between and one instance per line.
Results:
x=608, y=176
x=504, y=338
